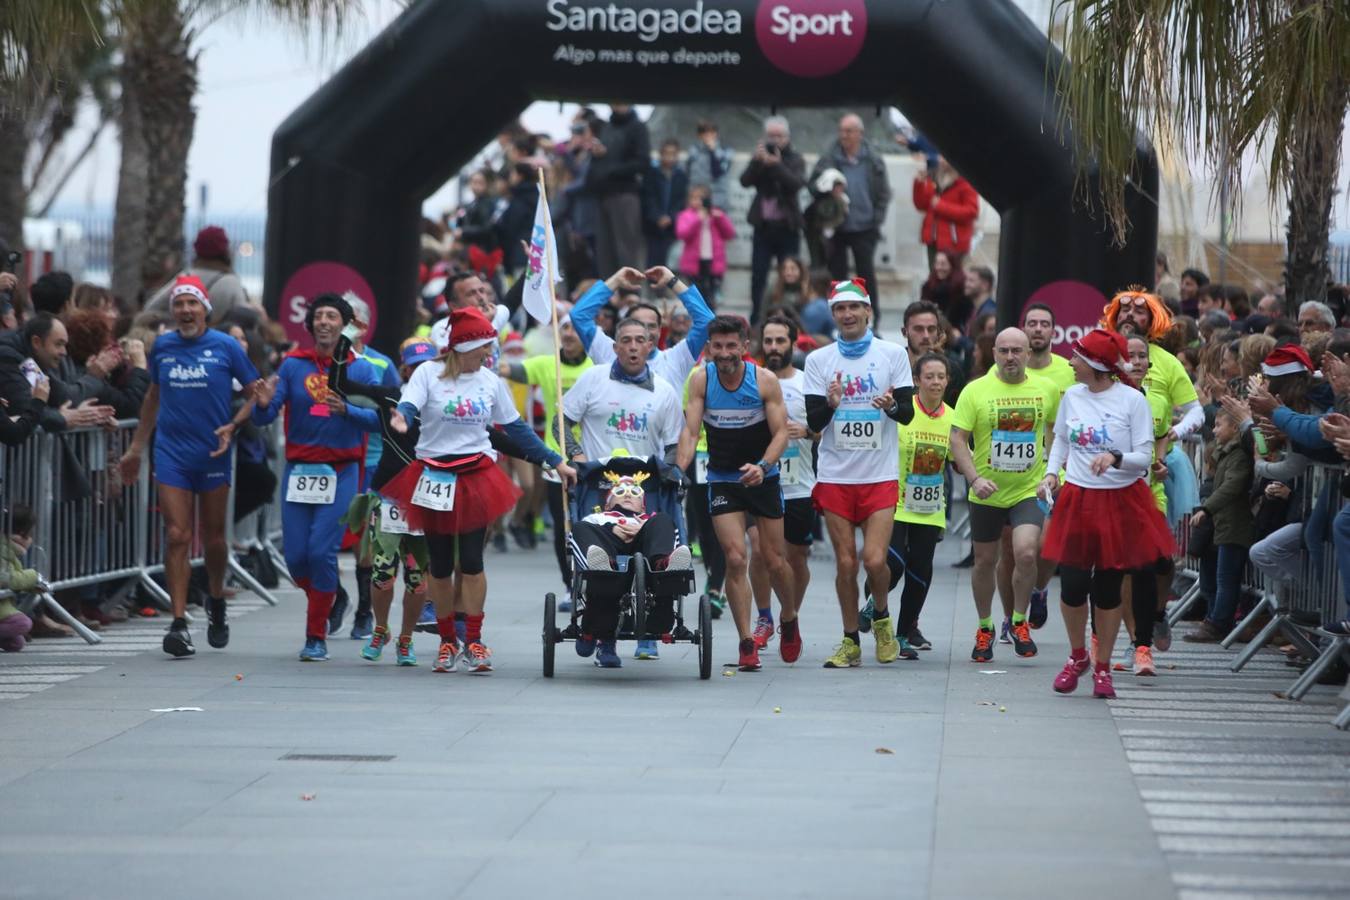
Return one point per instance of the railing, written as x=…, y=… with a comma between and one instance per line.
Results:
x=90, y=527
x=1298, y=608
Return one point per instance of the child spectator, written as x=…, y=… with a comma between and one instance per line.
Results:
x=1228, y=507
x=705, y=230
x=14, y=625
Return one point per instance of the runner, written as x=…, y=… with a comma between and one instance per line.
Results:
x=1107, y=523
x=849, y=385
x=1009, y=414
x=622, y=408
x=356, y=331
x=921, y=514
x=454, y=489
x=325, y=446
x=674, y=363
x=192, y=371
x=798, y=478
x=540, y=372
x=740, y=406
x=1038, y=321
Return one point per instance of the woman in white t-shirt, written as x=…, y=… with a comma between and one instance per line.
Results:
x=454, y=489
x=1105, y=523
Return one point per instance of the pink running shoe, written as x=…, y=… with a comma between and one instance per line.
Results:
x=1101, y=685
x=1066, y=682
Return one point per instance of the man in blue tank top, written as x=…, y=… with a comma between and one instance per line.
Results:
x=740, y=407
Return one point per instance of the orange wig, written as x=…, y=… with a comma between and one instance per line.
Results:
x=1161, y=315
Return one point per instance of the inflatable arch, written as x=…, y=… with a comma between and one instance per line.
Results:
x=352, y=165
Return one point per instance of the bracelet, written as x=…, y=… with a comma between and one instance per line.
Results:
x=670, y=285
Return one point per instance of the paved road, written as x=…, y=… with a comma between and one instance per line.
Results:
x=647, y=781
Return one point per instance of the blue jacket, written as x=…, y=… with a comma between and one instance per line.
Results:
x=583, y=316
x=313, y=436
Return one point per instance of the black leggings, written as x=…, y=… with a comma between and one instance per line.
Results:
x=911, y=558
x=701, y=529
x=468, y=547
x=1103, y=585
x=1144, y=600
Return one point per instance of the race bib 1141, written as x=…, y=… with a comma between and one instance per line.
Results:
x=435, y=491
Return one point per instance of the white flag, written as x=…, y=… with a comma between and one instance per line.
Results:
x=537, y=297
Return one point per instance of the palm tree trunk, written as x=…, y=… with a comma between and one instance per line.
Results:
x=1312, y=185
x=159, y=80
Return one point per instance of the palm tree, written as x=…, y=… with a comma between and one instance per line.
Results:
x=157, y=120
x=1232, y=77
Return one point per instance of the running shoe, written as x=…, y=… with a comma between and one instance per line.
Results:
x=888, y=650
x=607, y=656
x=523, y=535
x=315, y=650
x=983, y=651
x=681, y=559
x=1023, y=645
x=845, y=656
x=719, y=603
x=907, y=650
x=646, y=650
x=918, y=641
x=403, y=651
x=338, y=610
x=763, y=632
x=1040, y=607
x=362, y=623
x=1162, y=634
x=585, y=646
x=1005, y=632
x=1143, y=662
x=477, y=659
x=499, y=542
x=597, y=560
x=866, y=614
x=1102, y=688
x=749, y=656
x=426, y=622
x=1066, y=682
x=374, y=648
x=790, y=641
x=446, y=657
x=696, y=548
x=217, y=629
x=178, y=642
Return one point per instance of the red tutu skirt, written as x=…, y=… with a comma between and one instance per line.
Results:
x=1097, y=528
x=483, y=494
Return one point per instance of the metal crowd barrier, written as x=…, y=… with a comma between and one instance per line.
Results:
x=1297, y=608
x=90, y=527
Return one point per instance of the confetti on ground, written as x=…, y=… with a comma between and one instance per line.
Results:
x=884, y=751
x=239, y=678
x=307, y=796
x=180, y=709
x=986, y=703
x=1003, y=709
x=778, y=709
x=993, y=671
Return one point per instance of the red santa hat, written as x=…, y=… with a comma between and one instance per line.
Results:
x=854, y=291
x=1289, y=359
x=469, y=330
x=191, y=285
x=1105, y=351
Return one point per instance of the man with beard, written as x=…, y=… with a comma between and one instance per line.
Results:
x=923, y=334
x=740, y=407
x=797, y=476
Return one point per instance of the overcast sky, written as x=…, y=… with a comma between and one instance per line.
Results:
x=254, y=72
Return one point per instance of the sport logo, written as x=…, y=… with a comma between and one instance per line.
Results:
x=187, y=373
x=463, y=407
x=811, y=38
x=1089, y=435
x=859, y=387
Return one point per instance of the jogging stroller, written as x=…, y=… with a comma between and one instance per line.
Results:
x=650, y=603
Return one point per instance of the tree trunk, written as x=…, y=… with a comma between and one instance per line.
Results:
x=1316, y=157
x=13, y=195
x=159, y=81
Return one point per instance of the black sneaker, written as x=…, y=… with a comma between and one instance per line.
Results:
x=217, y=630
x=338, y=611
x=1022, y=643
x=1040, y=607
x=984, y=646
x=178, y=642
x=918, y=641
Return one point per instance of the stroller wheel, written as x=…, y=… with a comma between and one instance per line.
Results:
x=550, y=634
x=704, y=638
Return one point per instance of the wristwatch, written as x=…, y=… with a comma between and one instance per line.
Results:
x=670, y=285
x=764, y=464
x=1116, y=459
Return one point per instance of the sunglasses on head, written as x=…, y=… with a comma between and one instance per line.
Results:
x=1138, y=301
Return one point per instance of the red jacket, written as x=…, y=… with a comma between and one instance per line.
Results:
x=950, y=224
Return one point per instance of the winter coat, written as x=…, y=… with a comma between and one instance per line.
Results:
x=687, y=227
x=1229, y=502
x=878, y=184
x=516, y=223
x=711, y=168
x=781, y=181
x=663, y=195
x=476, y=225
x=949, y=225
x=628, y=156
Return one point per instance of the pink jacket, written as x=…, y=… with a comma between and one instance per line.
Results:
x=687, y=226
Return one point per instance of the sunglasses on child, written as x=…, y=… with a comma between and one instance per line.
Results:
x=626, y=489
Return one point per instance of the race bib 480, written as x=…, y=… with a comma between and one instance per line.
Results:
x=857, y=429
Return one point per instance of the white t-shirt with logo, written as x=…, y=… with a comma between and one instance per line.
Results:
x=456, y=412
x=621, y=417
x=1089, y=424
x=860, y=444
x=797, y=476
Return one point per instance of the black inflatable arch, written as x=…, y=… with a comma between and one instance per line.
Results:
x=352, y=165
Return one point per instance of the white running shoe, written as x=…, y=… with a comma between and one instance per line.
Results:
x=597, y=560
x=680, y=558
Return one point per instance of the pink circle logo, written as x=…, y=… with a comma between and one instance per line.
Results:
x=308, y=282
x=811, y=38
x=1077, y=306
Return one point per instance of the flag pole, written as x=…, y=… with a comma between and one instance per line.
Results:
x=559, y=418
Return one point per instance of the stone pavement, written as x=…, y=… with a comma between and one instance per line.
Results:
x=908, y=780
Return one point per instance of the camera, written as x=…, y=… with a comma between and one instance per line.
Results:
x=12, y=260
x=772, y=149
x=707, y=203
